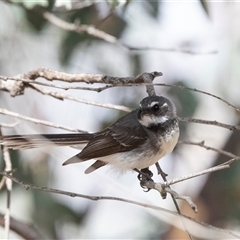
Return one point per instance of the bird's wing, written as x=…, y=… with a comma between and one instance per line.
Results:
x=124, y=135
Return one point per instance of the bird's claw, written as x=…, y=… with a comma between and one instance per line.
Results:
x=144, y=176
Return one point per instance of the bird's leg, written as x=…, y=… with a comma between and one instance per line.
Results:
x=160, y=171
x=144, y=175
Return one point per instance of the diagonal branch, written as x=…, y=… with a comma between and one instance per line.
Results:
x=197, y=174
x=209, y=122
x=62, y=96
x=97, y=198
x=202, y=144
x=38, y=121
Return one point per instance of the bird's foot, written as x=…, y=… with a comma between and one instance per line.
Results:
x=144, y=175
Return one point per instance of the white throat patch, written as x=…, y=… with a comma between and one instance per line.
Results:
x=148, y=120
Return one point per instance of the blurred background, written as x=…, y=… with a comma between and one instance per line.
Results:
x=194, y=44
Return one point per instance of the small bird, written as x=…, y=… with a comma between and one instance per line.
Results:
x=134, y=142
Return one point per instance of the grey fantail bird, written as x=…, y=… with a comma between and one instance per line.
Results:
x=135, y=141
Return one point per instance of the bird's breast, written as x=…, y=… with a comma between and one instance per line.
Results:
x=167, y=142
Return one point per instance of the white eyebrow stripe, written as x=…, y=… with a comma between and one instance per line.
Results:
x=165, y=104
x=152, y=104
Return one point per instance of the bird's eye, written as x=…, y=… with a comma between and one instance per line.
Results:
x=155, y=108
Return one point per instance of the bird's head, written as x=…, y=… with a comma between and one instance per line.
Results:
x=155, y=110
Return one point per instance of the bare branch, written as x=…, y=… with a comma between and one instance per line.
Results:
x=182, y=197
x=21, y=79
x=171, y=49
x=9, y=125
x=97, y=198
x=202, y=144
x=199, y=91
x=208, y=122
x=13, y=87
x=34, y=120
x=8, y=183
x=151, y=92
x=187, y=88
x=197, y=174
x=164, y=188
x=51, y=75
x=2, y=182
x=62, y=96
x=81, y=28
x=16, y=85
x=93, y=31
x=71, y=194
x=175, y=86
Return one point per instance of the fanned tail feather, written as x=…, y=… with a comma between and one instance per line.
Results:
x=38, y=140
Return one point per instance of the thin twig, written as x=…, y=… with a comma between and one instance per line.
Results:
x=182, y=197
x=176, y=86
x=171, y=49
x=97, y=198
x=200, y=173
x=164, y=177
x=9, y=125
x=2, y=182
x=8, y=182
x=81, y=28
x=93, y=31
x=171, y=85
x=63, y=96
x=151, y=92
x=163, y=189
x=37, y=121
x=202, y=144
x=199, y=91
x=24, y=80
x=209, y=122
x=50, y=75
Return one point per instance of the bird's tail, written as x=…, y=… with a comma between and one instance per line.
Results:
x=38, y=140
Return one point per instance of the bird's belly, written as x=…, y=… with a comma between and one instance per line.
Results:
x=168, y=142
x=144, y=157
x=124, y=161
